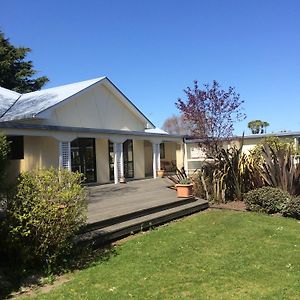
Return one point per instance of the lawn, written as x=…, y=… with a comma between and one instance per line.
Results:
x=212, y=255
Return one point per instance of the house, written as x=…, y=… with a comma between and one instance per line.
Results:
x=90, y=127
x=195, y=157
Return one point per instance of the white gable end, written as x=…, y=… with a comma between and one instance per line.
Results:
x=96, y=108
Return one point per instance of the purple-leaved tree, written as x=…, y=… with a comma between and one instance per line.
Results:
x=211, y=113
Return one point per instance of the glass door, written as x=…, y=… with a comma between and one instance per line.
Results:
x=111, y=160
x=128, y=159
x=83, y=158
x=127, y=156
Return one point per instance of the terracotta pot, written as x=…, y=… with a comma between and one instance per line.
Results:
x=122, y=180
x=184, y=190
x=160, y=173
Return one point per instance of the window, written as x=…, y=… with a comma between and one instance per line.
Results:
x=162, y=151
x=16, y=144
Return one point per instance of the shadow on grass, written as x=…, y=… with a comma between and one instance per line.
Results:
x=15, y=276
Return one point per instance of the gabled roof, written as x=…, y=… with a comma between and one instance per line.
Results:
x=14, y=106
x=7, y=99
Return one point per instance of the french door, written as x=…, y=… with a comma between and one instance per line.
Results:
x=83, y=158
x=127, y=157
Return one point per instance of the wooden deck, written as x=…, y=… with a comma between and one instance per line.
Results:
x=109, y=200
x=115, y=211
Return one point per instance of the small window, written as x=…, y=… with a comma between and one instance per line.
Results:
x=16, y=144
x=162, y=151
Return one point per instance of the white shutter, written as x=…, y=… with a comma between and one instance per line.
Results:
x=65, y=155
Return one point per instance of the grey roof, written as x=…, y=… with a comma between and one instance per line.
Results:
x=278, y=134
x=7, y=99
x=14, y=106
x=190, y=139
x=15, y=125
x=29, y=105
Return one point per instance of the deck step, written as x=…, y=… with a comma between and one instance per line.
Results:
x=119, y=230
x=122, y=217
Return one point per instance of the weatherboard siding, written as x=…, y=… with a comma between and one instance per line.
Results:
x=39, y=153
x=97, y=108
x=138, y=159
x=102, y=161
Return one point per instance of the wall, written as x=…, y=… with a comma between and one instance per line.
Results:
x=249, y=144
x=148, y=158
x=97, y=108
x=138, y=159
x=170, y=152
x=102, y=161
x=39, y=152
x=179, y=156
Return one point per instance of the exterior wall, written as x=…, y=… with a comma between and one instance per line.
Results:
x=102, y=161
x=170, y=157
x=173, y=153
x=250, y=144
x=170, y=152
x=179, y=156
x=98, y=108
x=138, y=159
x=39, y=152
x=148, y=158
x=192, y=162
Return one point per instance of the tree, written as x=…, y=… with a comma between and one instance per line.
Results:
x=211, y=113
x=16, y=73
x=258, y=126
x=176, y=125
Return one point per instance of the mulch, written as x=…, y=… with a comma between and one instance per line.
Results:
x=233, y=205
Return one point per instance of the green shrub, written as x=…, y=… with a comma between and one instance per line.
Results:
x=292, y=208
x=266, y=199
x=48, y=208
x=4, y=150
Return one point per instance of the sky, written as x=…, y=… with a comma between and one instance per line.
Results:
x=152, y=50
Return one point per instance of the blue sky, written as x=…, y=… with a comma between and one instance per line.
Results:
x=152, y=50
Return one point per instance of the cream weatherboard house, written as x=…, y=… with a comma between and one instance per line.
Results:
x=90, y=127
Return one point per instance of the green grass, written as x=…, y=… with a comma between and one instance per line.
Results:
x=214, y=255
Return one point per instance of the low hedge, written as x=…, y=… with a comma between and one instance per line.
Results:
x=267, y=199
x=292, y=208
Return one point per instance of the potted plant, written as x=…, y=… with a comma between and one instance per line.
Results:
x=122, y=179
x=160, y=173
x=184, y=188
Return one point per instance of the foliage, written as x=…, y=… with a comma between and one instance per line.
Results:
x=211, y=113
x=233, y=173
x=228, y=177
x=258, y=126
x=185, y=181
x=15, y=72
x=180, y=176
x=229, y=164
x=202, y=180
x=266, y=199
x=215, y=252
x=292, y=208
x=283, y=144
x=48, y=208
x=279, y=170
x=176, y=125
x=4, y=150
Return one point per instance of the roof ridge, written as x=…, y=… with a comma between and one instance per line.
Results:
x=9, y=108
x=94, y=80
x=11, y=91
